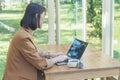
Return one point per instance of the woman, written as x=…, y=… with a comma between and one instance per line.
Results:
x=24, y=62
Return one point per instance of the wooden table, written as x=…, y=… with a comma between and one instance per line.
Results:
x=96, y=65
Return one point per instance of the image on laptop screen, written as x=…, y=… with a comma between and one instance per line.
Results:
x=77, y=49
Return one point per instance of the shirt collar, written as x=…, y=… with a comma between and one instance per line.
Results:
x=28, y=30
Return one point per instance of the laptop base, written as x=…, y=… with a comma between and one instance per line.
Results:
x=60, y=63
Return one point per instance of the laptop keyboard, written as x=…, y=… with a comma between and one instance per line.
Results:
x=62, y=62
x=65, y=61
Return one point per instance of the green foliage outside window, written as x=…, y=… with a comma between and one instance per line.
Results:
x=94, y=17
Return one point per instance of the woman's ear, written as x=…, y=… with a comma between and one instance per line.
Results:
x=36, y=15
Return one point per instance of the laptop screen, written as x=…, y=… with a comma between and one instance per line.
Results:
x=77, y=49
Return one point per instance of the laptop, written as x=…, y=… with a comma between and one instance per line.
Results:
x=75, y=51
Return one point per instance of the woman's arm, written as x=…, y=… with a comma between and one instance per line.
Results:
x=50, y=54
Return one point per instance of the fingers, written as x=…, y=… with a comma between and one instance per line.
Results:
x=60, y=58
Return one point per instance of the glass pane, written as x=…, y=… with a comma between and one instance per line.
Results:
x=117, y=29
x=70, y=20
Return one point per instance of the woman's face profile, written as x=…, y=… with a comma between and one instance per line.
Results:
x=41, y=19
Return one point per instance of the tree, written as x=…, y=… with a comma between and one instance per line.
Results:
x=0, y=5
x=94, y=17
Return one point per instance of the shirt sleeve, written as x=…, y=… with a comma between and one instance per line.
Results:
x=30, y=53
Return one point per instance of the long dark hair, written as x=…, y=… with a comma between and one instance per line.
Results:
x=29, y=19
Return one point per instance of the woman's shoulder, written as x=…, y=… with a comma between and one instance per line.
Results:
x=22, y=34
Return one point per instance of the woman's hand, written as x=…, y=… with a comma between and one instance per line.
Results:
x=55, y=54
x=60, y=58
